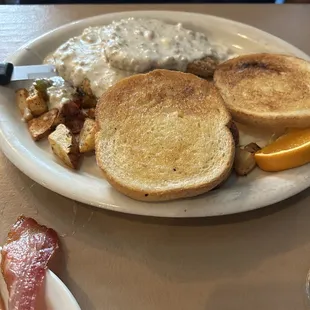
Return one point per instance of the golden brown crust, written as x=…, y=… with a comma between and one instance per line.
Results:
x=163, y=135
x=235, y=132
x=41, y=126
x=169, y=194
x=188, y=92
x=266, y=90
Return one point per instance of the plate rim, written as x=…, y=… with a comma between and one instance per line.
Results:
x=51, y=281
x=55, y=280
x=219, y=18
x=8, y=151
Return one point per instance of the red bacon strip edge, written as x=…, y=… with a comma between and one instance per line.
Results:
x=1, y=304
x=24, y=262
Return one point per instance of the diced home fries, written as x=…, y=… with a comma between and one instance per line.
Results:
x=36, y=103
x=89, y=100
x=21, y=99
x=41, y=126
x=87, y=136
x=70, y=127
x=65, y=146
x=91, y=113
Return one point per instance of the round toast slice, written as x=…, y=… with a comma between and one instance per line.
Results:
x=163, y=135
x=266, y=90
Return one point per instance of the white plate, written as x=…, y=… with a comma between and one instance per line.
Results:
x=87, y=185
x=58, y=297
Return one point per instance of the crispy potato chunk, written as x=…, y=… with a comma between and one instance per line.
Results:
x=27, y=116
x=36, y=103
x=40, y=127
x=244, y=162
x=73, y=117
x=88, y=100
x=91, y=113
x=86, y=87
x=65, y=146
x=21, y=100
x=252, y=148
x=87, y=136
x=60, y=119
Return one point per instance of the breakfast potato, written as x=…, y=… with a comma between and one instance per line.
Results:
x=244, y=162
x=85, y=87
x=252, y=147
x=91, y=113
x=27, y=116
x=60, y=119
x=21, y=100
x=36, y=103
x=73, y=117
x=88, y=100
x=65, y=146
x=87, y=136
x=41, y=126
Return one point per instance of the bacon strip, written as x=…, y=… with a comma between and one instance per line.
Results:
x=24, y=262
x=1, y=304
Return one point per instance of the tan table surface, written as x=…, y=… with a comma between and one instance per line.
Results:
x=256, y=261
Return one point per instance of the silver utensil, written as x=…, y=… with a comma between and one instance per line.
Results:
x=10, y=73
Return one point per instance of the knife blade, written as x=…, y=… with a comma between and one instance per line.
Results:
x=10, y=73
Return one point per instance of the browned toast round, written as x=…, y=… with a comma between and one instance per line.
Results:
x=163, y=135
x=266, y=90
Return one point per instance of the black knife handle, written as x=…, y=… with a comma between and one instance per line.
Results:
x=6, y=70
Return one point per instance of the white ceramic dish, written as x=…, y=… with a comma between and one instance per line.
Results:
x=58, y=296
x=87, y=185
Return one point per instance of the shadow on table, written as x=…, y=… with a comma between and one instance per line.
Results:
x=179, y=250
x=237, y=295
x=59, y=266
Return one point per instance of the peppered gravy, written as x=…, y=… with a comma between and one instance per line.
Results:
x=59, y=93
x=109, y=53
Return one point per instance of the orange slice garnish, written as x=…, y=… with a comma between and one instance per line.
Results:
x=288, y=151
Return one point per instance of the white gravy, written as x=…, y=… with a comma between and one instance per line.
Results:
x=140, y=45
x=59, y=93
x=109, y=53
